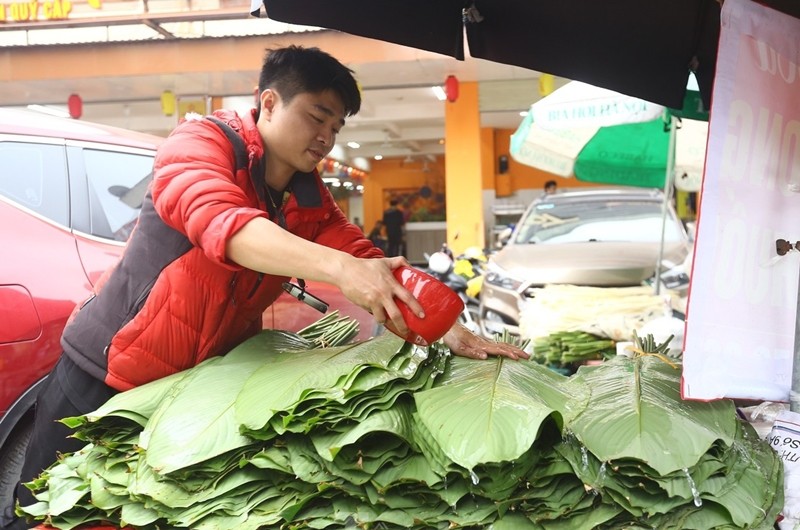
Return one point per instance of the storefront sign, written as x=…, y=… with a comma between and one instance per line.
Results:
x=35, y=10
x=743, y=303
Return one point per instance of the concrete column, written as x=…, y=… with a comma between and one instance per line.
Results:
x=463, y=173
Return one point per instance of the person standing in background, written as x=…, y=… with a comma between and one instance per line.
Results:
x=395, y=222
x=376, y=236
x=550, y=187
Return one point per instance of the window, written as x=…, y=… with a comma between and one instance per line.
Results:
x=597, y=221
x=117, y=185
x=35, y=176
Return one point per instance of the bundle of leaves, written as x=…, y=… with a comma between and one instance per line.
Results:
x=567, y=349
x=382, y=434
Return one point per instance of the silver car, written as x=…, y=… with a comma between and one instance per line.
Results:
x=599, y=237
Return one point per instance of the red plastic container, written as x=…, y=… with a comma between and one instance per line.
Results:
x=441, y=305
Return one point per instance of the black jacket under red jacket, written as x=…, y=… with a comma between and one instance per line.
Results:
x=174, y=299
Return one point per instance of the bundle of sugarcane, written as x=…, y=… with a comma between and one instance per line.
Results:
x=609, y=312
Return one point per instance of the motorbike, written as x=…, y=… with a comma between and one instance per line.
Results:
x=463, y=275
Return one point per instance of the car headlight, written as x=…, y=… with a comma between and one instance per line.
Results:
x=500, y=278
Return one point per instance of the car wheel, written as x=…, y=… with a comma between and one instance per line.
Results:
x=12, y=456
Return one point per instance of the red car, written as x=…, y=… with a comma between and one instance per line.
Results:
x=70, y=193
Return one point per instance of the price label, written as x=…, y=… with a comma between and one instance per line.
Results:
x=785, y=440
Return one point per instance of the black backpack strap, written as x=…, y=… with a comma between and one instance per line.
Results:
x=304, y=185
x=239, y=148
x=240, y=154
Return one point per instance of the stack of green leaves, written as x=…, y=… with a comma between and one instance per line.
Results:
x=279, y=434
x=663, y=462
x=568, y=348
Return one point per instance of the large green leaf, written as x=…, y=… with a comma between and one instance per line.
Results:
x=130, y=409
x=169, y=493
x=636, y=411
x=176, y=437
x=491, y=410
x=396, y=421
x=292, y=376
x=747, y=490
x=378, y=388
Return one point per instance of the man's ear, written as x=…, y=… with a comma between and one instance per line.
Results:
x=269, y=99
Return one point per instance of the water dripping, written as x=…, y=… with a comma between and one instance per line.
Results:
x=696, y=494
x=474, y=477
x=601, y=475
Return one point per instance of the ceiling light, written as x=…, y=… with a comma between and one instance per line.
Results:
x=353, y=145
x=523, y=113
x=438, y=91
x=378, y=157
x=332, y=180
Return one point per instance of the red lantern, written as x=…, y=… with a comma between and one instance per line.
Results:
x=451, y=88
x=75, y=106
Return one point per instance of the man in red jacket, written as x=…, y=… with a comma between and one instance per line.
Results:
x=236, y=207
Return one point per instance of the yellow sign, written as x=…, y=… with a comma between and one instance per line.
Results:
x=191, y=105
x=35, y=10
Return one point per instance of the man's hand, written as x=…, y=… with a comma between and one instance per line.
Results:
x=464, y=343
x=367, y=282
x=370, y=284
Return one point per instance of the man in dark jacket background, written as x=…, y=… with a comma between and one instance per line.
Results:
x=395, y=222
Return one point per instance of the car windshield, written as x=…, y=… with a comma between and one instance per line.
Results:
x=637, y=221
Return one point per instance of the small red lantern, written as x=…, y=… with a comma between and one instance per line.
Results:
x=75, y=106
x=451, y=88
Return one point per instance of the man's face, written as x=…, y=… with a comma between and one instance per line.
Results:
x=298, y=135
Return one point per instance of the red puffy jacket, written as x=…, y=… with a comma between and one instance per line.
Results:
x=174, y=299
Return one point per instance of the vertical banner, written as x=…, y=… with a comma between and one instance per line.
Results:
x=743, y=304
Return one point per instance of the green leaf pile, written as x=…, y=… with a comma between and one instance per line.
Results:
x=382, y=434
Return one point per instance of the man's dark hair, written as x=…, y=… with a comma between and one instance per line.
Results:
x=550, y=183
x=295, y=69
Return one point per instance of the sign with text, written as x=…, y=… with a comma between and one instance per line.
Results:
x=26, y=11
x=742, y=309
x=34, y=10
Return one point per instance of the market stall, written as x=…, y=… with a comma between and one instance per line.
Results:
x=383, y=433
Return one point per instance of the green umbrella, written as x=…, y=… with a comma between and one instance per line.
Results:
x=602, y=136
